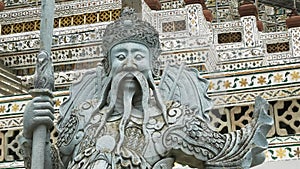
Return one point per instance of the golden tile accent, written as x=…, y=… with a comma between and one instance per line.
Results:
x=280, y=153
x=261, y=80
x=295, y=75
x=243, y=82
x=227, y=84
x=278, y=78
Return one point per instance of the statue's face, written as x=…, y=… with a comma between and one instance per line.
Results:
x=130, y=68
x=130, y=56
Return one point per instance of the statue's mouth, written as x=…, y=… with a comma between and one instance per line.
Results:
x=127, y=90
x=129, y=78
x=129, y=75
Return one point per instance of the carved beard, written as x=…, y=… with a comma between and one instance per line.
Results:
x=126, y=86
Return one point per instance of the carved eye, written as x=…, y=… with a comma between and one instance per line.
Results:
x=139, y=57
x=121, y=57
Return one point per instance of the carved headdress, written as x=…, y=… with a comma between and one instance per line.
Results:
x=128, y=28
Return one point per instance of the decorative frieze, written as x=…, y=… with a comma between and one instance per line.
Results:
x=230, y=37
x=189, y=57
x=240, y=54
x=270, y=37
x=236, y=65
x=161, y=18
x=224, y=27
x=9, y=3
x=185, y=43
x=227, y=46
x=63, y=80
x=174, y=26
x=66, y=21
x=60, y=55
x=283, y=148
x=279, y=58
x=278, y=47
x=169, y=4
x=61, y=9
x=250, y=35
x=295, y=41
x=243, y=80
x=246, y=97
x=16, y=105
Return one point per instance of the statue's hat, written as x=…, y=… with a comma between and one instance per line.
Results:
x=129, y=28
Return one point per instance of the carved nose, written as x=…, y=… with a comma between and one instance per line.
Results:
x=129, y=65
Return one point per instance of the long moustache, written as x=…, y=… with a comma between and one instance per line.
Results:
x=107, y=111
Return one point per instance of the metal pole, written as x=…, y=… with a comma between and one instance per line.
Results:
x=43, y=81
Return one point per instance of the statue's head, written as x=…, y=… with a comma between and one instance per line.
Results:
x=130, y=34
x=131, y=47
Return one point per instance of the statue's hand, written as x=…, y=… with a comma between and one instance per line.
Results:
x=38, y=112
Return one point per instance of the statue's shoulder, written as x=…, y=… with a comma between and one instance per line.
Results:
x=186, y=86
x=85, y=96
x=88, y=88
x=70, y=130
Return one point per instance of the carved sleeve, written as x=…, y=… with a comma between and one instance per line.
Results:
x=191, y=137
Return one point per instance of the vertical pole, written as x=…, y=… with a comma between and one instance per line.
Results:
x=43, y=82
x=47, y=22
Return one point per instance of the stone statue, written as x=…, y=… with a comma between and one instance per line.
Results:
x=116, y=116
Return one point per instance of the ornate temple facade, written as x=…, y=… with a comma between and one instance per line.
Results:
x=243, y=56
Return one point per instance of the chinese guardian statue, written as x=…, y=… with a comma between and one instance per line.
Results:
x=117, y=118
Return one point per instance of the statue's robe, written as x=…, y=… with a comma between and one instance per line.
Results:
x=90, y=139
x=152, y=149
